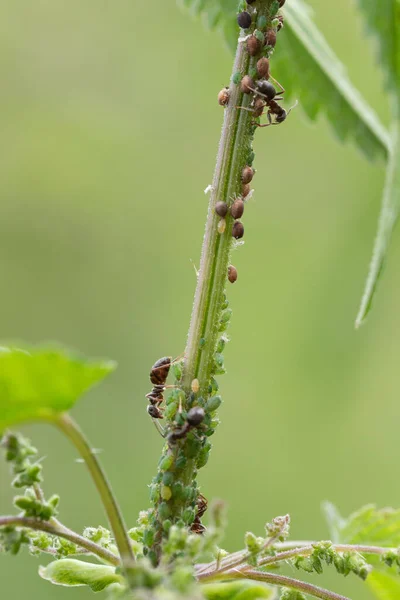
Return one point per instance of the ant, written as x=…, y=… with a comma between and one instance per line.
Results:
x=158, y=377
x=194, y=419
x=266, y=96
x=197, y=526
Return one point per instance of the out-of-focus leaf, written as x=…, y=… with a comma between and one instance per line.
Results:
x=384, y=585
x=40, y=383
x=70, y=572
x=237, y=590
x=387, y=220
x=383, y=20
x=309, y=69
x=368, y=526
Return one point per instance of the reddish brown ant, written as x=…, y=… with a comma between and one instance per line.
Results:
x=266, y=96
x=197, y=526
x=194, y=419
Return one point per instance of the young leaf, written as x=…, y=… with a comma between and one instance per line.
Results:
x=237, y=590
x=309, y=69
x=41, y=383
x=70, y=572
x=383, y=19
x=387, y=221
x=368, y=526
x=384, y=585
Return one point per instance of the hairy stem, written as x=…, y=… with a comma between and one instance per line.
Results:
x=210, y=315
x=73, y=432
x=289, y=582
x=71, y=536
x=240, y=559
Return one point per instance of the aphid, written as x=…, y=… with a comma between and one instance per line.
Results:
x=281, y=22
x=263, y=68
x=253, y=45
x=281, y=3
x=270, y=38
x=221, y=208
x=247, y=85
x=247, y=174
x=197, y=526
x=244, y=19
x=221, y=226
x=195, y=386
x=250, y=1
x=246, y=189
x=232, y=274
x=194, y=418
x=237, y=230
x=237, y=208
x=223, y=97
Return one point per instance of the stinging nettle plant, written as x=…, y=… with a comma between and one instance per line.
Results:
x=169, y=553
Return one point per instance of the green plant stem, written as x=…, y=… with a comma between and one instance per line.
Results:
x=74, y=433
x=289, y=582
x=234, y=154
x=48, y=527
x=239, y=559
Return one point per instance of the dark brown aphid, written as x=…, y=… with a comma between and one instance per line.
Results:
x=232, y=274
x=221, y=208
x=253, y=45
x=237, y=230
x=194, y=419
x=237, y=208
x=258, y=109
x=281, y=3
x=247, y=85
x=250, y=1
x=247, y=174
x=263, y=68
x=244, y=19
x=223, y=97
x=246, y=189
x=158, y=377
x=270, y=38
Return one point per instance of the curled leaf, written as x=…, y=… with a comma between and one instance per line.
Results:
x=70, y=572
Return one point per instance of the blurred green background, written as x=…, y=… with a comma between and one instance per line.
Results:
x=109, y=127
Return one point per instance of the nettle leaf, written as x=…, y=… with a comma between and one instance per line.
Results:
x=40, y=383
x=383, y=20
x=70, y=572
x=387, y=221
x=237, y=590
x=309, y=69
x=368, y=526
x=384, y=585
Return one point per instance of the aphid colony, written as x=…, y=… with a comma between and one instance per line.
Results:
x=265, y=98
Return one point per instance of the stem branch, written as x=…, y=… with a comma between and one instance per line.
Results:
x=73, y=432
x=82, y=542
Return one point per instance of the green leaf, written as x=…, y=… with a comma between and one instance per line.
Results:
x=308, y=67
x=383, y=20
x=70, y=572
x=40, y=383
x=368, y=526
x=237, y=590
x=387, y=220
x=384, y=585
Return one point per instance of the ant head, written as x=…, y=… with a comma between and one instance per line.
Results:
x=154, y=412
x=281, y=116
x=266, y=89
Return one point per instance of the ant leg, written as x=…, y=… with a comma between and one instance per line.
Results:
x=159, y=428
x=282, y=89
x=244, y=108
